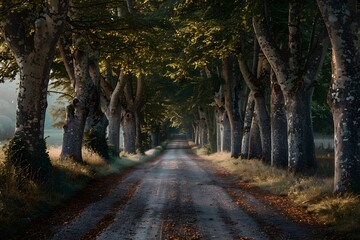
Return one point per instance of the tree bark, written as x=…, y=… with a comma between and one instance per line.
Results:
x=223, y=125
x=128, y=124
x=129, y=119
x=343, y=24
x=279, y=149
x=211, y=129
x=232, y=100
x=255, y=150
x=114, y=113
x=245, y=145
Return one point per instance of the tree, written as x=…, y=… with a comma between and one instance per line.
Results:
x=343, y=26
x=130, y=117
x=31, y=31
x=256, y=83
x=296, y=83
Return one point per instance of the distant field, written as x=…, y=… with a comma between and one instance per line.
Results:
x=326, y=142
x=54, y=137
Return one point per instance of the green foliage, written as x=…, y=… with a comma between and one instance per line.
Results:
x=322, y=118
x=8, y=66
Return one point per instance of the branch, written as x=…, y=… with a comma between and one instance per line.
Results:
x=61, y=93
x=69, y=68
x=139, y=91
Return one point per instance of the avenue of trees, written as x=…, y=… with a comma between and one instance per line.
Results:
x=237, y=76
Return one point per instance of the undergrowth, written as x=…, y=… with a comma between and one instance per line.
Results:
x=315, y=193
x=22, y=199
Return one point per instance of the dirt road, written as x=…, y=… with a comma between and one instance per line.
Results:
x=177, y=197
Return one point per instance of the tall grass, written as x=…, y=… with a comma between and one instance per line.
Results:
x=22, y=199
x=315, y=193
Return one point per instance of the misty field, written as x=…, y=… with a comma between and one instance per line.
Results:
x=53, y=137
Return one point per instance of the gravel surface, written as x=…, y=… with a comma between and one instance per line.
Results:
x=177, y=196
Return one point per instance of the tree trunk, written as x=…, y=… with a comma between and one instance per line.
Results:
x=256, y=83
x=113, y=111
x=139, y=141
x=343, y=25
x=232, y=99
x=218, y=115
x=211, y=129
x=225, y=133
x=72, y=138
x=279, y=149
x=264, y=127
x=255, y=150
x=155, y=135
x=34, y=50
x=247, y=126
x=294, y=110
x=128, y=123
x=80, y=105
x=130, y=119
x=96, y=122
x=114, y=117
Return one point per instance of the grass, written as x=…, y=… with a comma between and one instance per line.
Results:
x=314, y=193
x=22, y=199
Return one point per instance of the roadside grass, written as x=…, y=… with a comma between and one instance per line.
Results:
x=22, y=199
x=314, y=193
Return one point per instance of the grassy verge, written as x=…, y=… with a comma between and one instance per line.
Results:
x=22, y=200
x=313, y=193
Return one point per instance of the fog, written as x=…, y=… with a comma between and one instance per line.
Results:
x=8, y=95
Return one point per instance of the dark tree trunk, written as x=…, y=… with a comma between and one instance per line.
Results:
x=139, y=141
x=294, y=110
x=128, y=123
x=264, y=127
x=72, y=138
x=232, y=100
x=96, y=122
x=255, y=150
x=155, y=135
x=247, y=126
x=279, y=149
x=130, y=118
x=218, y=115
x=113, y=89
x=211, y=129
x=226, y=133
x=114, y=117
x=72, y=144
